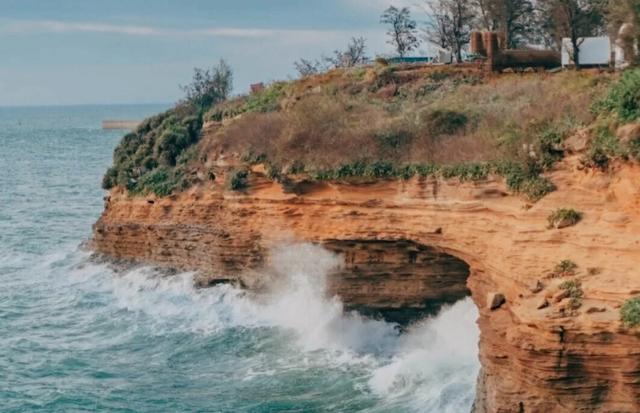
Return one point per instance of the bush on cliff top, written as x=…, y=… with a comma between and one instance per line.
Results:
x=150, y=158
x=393, y=122
x=623, y=97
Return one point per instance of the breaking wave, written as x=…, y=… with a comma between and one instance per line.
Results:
x=431, y=367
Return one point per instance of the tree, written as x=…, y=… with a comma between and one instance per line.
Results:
x=402, y=30
x=354, y=54
x=449, y=24
x=308, y=68
x=573, y=19
x=512, y=17
x=209, y=86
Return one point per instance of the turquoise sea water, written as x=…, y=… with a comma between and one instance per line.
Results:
x=75, y=337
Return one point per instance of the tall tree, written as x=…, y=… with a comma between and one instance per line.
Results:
x=573, y=19
x=512, y=17
x=449, y=24
x=402, y=29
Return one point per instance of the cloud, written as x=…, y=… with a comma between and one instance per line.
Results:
x=55, y=26
x=380, y=5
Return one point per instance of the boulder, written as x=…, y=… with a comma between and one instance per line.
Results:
x=577, y=142
x=536, y=287
x=628, y=133
x=543, y=303
x=495, y=300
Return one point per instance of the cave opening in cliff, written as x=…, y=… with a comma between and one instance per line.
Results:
x=397, y=280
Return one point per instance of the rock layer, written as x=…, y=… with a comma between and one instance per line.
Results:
x=566, y=356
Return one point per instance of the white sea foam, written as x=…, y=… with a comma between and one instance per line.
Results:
x=432, y=367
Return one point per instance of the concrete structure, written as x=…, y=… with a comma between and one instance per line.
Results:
x=120, y=124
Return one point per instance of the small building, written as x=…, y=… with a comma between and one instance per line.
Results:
x=257, y=87
x=594, y=52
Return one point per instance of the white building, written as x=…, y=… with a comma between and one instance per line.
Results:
x=594, y=51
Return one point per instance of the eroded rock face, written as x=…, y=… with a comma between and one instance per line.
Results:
x=400, y=280
x=534, y=358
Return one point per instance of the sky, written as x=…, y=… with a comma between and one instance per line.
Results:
x=63, y=52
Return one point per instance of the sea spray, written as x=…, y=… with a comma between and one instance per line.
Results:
x=430, y=367
x=300, y=302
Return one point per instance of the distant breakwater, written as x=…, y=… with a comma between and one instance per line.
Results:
x=120, y=124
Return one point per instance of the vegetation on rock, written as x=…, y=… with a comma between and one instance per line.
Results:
x=381, y=121
x=238, y=180
x=630, y=312
x=156, y=156
x=574, y=291
x=565, y=268
x=564, y=217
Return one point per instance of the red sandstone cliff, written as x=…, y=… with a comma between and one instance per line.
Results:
x=410, y=242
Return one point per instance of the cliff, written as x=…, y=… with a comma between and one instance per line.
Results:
x=425, y=204
x=534, y=359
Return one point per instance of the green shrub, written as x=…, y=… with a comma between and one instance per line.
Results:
x=536, y=188
x=161, y=181
x=623, y=97
x=380, y=169
x=150, y=159
x=604, y=147
x=109, y=180
x=630, y=312
x=565, y=268
x=393, y=139
x=566, y=216
x=267, y=100
x=443, y=122
x=467, y=171
x=595, y=158
x=550, y=139
x=574, y=291
x=238, y=180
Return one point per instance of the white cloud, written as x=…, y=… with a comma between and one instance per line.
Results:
x=54, y=26
x=380, y=5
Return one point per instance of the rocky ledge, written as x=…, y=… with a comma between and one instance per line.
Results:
x=549, y=299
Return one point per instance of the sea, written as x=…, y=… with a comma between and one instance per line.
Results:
x=75, y=336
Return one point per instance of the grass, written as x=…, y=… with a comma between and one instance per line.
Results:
x=565, y=216
x=630, y=312
x=448, y=123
